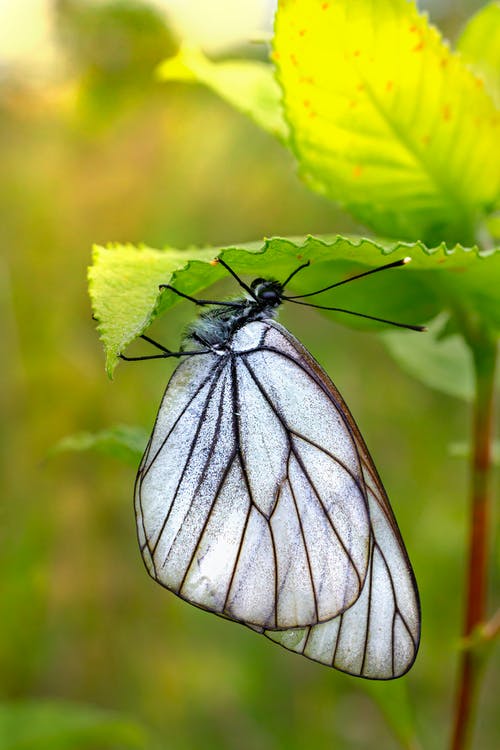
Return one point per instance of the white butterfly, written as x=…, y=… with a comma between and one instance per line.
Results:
x=257, y=498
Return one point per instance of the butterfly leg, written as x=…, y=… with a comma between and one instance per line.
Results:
x=156, y=344
x=199, y=302
x=165, y=355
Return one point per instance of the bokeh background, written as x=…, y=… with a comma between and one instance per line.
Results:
x=94, y=149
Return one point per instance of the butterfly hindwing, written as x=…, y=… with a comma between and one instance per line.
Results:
x=378, y=636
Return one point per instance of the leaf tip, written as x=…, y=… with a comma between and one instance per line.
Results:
x=112, y=360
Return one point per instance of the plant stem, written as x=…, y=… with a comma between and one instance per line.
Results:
x=484, y=354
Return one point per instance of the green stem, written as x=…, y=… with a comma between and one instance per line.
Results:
x=484, y=354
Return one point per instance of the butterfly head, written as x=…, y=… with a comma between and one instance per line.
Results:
x=268, y=292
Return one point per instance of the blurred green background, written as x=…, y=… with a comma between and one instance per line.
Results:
x=93, y=149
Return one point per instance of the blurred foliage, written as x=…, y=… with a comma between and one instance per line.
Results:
x=113, y=47
x=80, y=622
x=60, y=725
x=121, y=40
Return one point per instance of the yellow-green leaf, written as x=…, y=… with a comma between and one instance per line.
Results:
x=479, y=44
x=385, y=119
x=123, y=286
x=248, y=85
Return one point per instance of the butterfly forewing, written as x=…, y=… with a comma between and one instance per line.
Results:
x=250, y=498
x=320, y=521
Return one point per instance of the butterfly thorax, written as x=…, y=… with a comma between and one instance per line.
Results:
x=217, y=325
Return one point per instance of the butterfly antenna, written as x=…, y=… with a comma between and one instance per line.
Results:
x=235, y=275
x=358, y=315
x=304, y=265
x=395, y=264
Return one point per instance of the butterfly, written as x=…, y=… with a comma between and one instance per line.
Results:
x=257, y=499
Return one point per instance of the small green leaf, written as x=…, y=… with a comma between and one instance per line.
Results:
x=442, y=363
x=39, y=725
x=125, y=297
x=248, y=85
x=124, y=442
x=462, y=450
x=385, y=119
x=479, y=44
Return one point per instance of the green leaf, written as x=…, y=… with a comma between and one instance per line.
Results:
x=125, y=297
x=124, y=442
x=247, y=85
x=479, y=44
x=385, y=119
x=38, y=725
x=442, y=363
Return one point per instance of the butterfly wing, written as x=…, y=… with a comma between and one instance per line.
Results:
x=378, y=636
x=250, y=498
